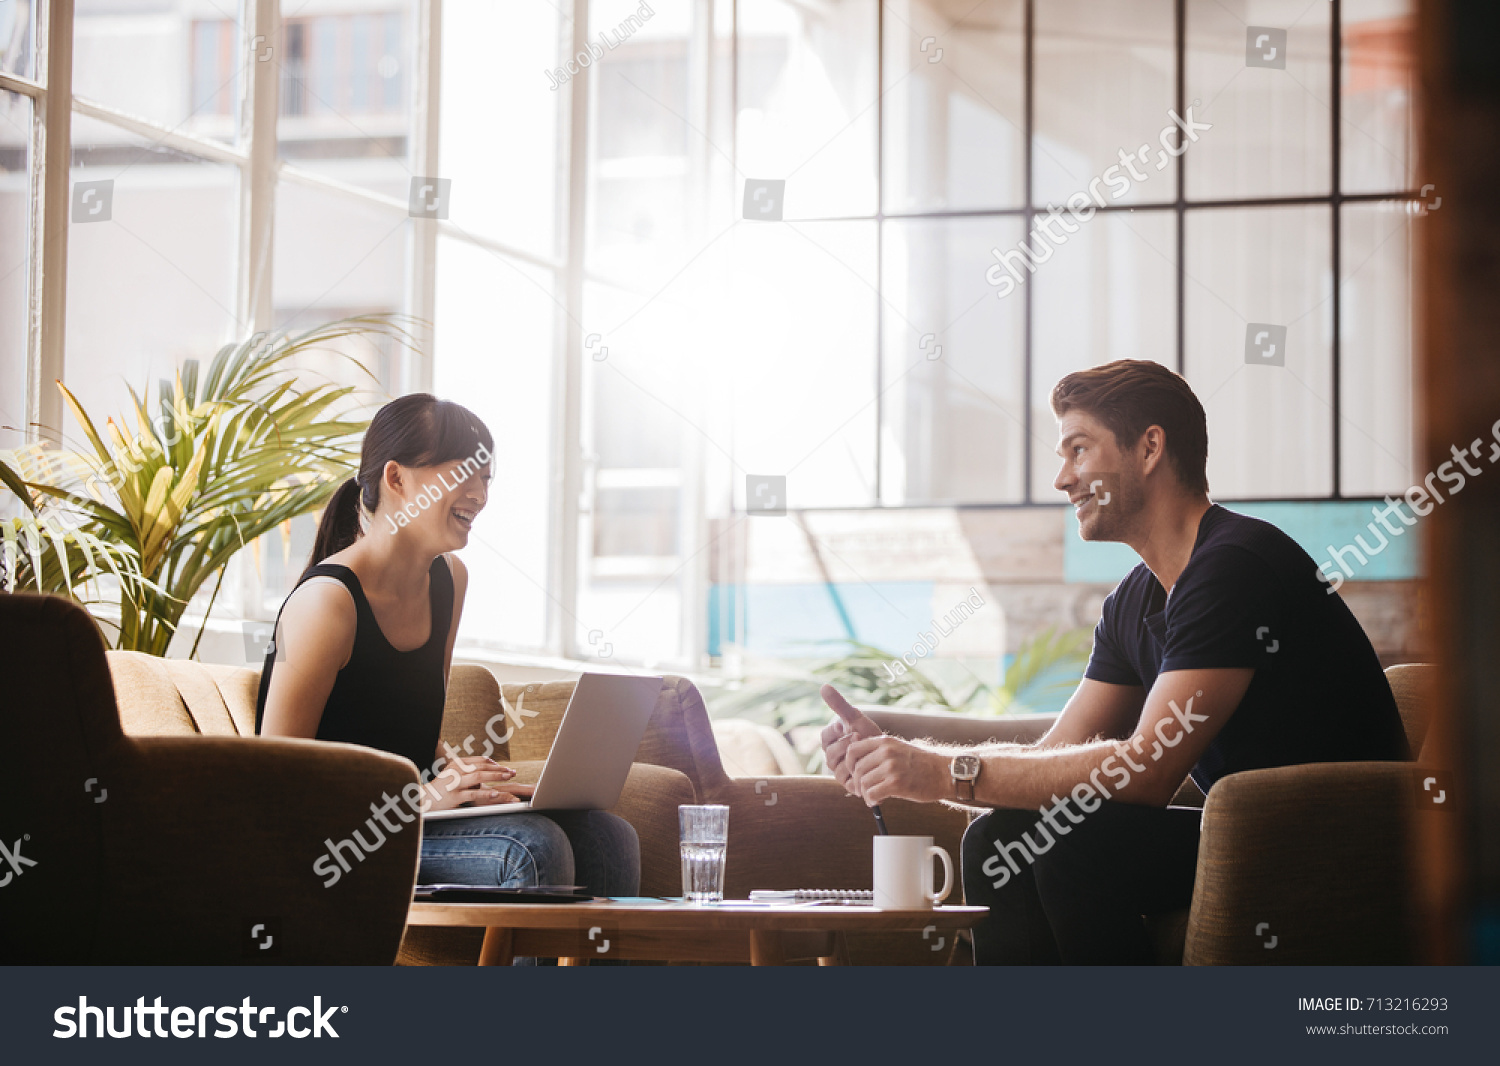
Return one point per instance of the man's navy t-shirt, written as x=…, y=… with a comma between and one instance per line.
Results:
x=1249, y=597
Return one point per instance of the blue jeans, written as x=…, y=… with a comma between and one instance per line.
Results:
x=595, y=849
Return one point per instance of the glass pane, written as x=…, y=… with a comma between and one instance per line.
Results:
x=952, y=398
x=151, y=262
x=1262, y=73
x=798, y=359
x=807, y=101
x=17, y=37
x=954, y=103
x=177, y=64
x=648, y=172
x=1259, y=338
x=337, y=256
x=1109, y=293
x=1376, y=301
x=494, y=345
x=346, y=95
x=1105, y=75
x=15, y=252
x=503, y=161
x=645, y=431
x=1379, y=136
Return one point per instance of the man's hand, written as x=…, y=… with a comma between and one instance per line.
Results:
x=873, y=766
x=849, y=725
x=888, y=767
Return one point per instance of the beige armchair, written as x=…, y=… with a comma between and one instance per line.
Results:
x=172, y=849
x=1296, y=864
x=1311, y=864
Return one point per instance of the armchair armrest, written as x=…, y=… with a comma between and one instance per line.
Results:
x=208, y=836
x=1305, y=864
x=649, y=803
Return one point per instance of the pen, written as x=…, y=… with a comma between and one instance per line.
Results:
x=879, y=820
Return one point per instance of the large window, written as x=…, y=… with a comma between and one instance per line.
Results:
x=948, y=141
x=692, y=247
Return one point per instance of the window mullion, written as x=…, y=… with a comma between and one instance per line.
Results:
x=421, y=250
x=259, y=103
x=567, y=450
x=47, y=285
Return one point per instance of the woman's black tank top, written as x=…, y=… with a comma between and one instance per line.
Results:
x=383, y=698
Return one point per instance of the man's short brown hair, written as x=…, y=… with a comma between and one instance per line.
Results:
x=1130, y=395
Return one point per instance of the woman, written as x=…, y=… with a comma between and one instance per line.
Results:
x=364, y=642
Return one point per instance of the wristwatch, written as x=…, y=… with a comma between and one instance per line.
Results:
x=964, y=770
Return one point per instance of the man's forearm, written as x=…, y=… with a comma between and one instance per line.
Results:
x=998, y=747
x=994, y=747
x=1025, y=776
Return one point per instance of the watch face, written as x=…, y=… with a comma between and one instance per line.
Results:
x=965, y=767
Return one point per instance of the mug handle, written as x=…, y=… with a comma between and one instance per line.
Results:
x=942, y=893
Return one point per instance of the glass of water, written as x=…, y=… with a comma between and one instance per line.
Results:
x=705, y=835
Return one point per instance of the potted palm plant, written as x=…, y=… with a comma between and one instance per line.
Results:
x=153, y=512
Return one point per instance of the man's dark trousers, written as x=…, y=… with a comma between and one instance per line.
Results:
x=1076, y=893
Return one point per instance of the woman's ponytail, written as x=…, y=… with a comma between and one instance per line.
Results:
x=339, y=527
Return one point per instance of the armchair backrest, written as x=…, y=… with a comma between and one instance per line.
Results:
x=57, y=728
x=1411, y=684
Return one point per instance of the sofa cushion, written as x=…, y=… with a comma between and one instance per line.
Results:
x=199, y=692
x=164, y=697
x=147, y=697
x=238, y=687
x=473, y=716
x=750, y=749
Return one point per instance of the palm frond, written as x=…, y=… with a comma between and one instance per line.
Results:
x=1050, y=661
x=13, y=481
x=232, y=454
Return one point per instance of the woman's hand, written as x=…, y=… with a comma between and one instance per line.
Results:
x=476, y=780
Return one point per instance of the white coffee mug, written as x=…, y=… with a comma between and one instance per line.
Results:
x=903, y=873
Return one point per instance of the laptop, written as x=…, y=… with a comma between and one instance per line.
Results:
x=586, y=769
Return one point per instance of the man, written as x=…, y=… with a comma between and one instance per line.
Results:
x=1222, y=651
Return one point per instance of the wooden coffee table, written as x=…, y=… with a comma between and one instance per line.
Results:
x=575, y=933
